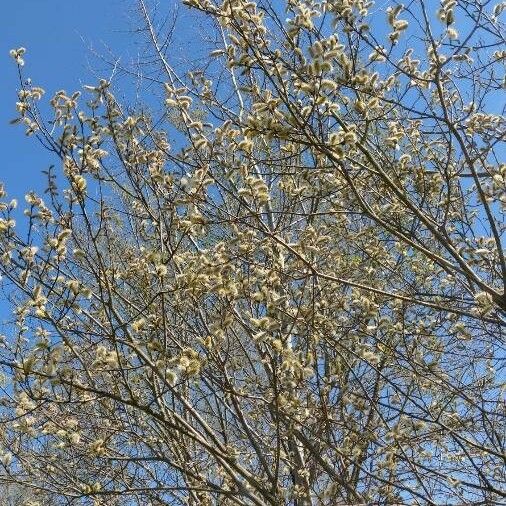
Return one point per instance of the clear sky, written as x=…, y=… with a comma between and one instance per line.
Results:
x=58, y=36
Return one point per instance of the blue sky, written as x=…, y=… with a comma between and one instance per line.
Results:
x=58, y=36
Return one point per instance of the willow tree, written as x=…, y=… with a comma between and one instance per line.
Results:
x=280, y=283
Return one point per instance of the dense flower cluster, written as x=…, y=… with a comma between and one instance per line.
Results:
x=284, y=287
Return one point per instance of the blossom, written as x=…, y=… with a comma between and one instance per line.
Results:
x=17, y=55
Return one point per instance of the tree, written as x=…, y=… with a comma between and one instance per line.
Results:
x=14, y=495
x=285, y=285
